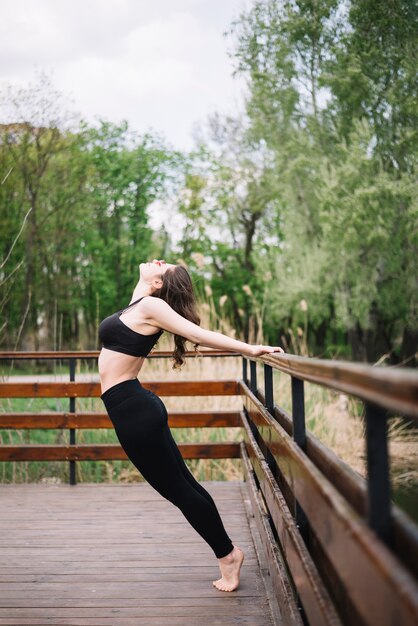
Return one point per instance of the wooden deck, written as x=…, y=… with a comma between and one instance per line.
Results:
x=119, y=555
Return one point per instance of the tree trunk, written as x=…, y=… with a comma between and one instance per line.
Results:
x=356, y=341
x=409, y=347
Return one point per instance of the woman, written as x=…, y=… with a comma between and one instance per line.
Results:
x=163, y=300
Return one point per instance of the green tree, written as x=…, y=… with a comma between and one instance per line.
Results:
x=33, y=138
x=127, y=174
x=228, y=208
x=332, y=93
x=89, y=191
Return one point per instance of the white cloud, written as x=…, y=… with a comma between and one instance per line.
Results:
x=160, y=64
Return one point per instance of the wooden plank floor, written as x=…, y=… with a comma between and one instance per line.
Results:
x=119, y=555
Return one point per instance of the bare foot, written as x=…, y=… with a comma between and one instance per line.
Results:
x=230, y=566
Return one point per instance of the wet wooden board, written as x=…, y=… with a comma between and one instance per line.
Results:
x=119, y=555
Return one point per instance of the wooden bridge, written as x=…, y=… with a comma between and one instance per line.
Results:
x=324, y=546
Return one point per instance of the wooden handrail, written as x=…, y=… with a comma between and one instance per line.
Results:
x=83, y=420
x=92, y=390
x=312, y=592
x=93, y=354
x=110, y=452
x=353, y=487
x=390, y=388
x=393, y=389
x=347, y=552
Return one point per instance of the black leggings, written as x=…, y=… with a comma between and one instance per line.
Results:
x=140, y=421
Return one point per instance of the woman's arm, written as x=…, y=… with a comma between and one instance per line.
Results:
x=159, y=313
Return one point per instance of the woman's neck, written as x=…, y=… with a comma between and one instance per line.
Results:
x=141, y=290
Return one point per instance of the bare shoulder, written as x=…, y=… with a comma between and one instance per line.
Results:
x=159, y=313
x=156, y=310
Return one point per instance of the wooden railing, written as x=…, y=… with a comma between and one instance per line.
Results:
x=337, y=549
x=352, y=556
x=74, y=420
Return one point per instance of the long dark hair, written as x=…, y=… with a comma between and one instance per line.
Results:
x=177, y=291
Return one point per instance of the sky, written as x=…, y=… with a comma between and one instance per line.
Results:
x=162, y=65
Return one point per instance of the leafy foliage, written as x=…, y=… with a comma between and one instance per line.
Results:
x=88, y=190
x=296, y=217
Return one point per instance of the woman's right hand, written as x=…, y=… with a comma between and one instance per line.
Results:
x=259, y=350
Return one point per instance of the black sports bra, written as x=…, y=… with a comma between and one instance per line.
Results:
x=115, y=335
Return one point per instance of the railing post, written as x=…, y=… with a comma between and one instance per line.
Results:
x=253, y=377
x=245, y=370
x=298, y=412
x=378, y=482
x=73, y=479
x=268, y=388
x=299, y=436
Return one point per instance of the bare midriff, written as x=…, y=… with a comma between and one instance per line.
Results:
x=116, y=367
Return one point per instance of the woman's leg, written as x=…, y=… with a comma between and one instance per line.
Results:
x=174, y=481
x=141, y=426
x=182, y=465
x=140, y=421
x=186, y=472
x=230, y=565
